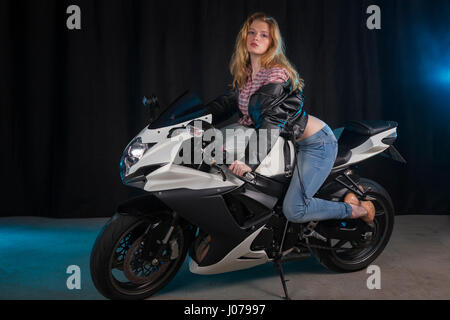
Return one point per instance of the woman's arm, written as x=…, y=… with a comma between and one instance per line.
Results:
x=266, y=125
x=272, y=109
x=260, y=143
x=223, y=107
x=267, y=132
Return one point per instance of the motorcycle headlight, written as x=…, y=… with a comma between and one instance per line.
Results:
x=136, y=151
x=132, y=154
x=194, y=131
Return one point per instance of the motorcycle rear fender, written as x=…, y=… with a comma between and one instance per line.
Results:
x=393, y=153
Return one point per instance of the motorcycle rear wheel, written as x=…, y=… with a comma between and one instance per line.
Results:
x=350, y=260
x=120, y=265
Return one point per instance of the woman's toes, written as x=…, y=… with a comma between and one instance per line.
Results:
x=358, y=212
x=368, y=205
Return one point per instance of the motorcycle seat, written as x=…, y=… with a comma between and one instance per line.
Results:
x=370, y=127
x=356, y=133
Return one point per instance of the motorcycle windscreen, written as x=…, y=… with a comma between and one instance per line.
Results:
x=186, y=107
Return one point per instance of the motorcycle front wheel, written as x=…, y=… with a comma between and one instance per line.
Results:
x=129, y=261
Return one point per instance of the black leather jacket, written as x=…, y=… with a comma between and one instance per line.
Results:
x=273, y=106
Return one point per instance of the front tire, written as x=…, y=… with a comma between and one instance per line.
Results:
x=347, y=260
x=122, y=267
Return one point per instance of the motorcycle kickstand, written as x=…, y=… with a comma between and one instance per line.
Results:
x=277, y=264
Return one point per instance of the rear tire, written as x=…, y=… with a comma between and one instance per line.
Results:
x=140, y=279
x=348, y=261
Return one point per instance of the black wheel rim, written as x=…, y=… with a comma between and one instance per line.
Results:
x=345, y=253
x=148, y=276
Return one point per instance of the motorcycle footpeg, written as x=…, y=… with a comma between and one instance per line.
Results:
x=315, y=234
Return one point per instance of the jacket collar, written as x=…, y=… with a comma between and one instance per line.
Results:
x=275, y=88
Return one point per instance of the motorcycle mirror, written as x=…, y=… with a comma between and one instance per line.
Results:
x=151, y=102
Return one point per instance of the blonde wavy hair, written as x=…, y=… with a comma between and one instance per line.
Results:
x=274, y=57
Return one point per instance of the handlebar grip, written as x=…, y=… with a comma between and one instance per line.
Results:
x=250, y=176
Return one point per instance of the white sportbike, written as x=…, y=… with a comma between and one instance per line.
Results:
x=225, y=222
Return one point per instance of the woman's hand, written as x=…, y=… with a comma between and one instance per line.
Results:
x=239, y=168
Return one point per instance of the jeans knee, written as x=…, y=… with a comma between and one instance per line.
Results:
x=294, y=214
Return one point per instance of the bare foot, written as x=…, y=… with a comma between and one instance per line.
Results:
x=360, y=209
x=370, y=208
x=358, y=212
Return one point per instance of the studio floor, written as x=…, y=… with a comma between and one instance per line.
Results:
x=35, y=253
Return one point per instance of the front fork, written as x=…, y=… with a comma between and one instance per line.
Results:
x=156, y=244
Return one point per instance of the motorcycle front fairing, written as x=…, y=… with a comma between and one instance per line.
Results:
x=156, y=147
x=199, y=197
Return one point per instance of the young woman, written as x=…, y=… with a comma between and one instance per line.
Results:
x=268, y=93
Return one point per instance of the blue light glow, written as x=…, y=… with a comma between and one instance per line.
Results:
x=434, y=49
x=443, y=76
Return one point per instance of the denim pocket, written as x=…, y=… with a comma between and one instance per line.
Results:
x=331, y=149
x=316, y=149
x=319, y=145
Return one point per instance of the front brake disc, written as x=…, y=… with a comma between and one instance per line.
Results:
x=138, y=269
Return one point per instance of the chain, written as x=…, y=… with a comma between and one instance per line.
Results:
x=308, y=245
x=316, y=246
x=312, y=233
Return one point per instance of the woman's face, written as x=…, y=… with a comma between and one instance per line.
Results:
x=258, y=38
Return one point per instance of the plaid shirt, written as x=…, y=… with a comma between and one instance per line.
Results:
x=263, y=77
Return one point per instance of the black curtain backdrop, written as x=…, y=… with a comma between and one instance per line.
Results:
x=70, y=99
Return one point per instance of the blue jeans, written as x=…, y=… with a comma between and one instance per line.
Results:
x=315, y=155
